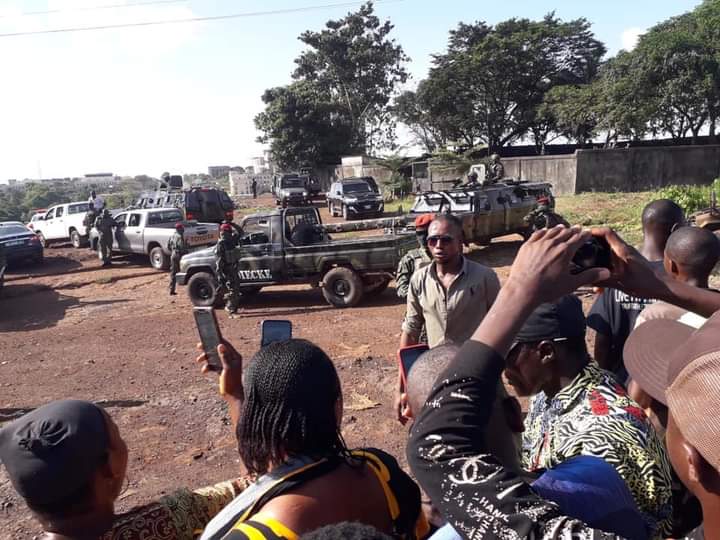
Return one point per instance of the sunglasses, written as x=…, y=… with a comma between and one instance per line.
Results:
x=516, y=346
x=440, y=239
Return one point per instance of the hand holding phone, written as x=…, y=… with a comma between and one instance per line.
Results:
x=210, y=336
x=407, y=356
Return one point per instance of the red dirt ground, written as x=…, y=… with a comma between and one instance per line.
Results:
x=72, y=329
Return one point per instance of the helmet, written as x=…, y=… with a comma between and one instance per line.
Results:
x=473, y=175
x=225, y=227
x=494, y=158
x=165, y=175
x=179, y=226
x=423, y=222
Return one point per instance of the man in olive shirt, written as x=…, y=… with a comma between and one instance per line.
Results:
x=451, y=295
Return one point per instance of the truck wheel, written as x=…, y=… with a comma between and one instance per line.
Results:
x=77, y=239
x=158, y=259
x=376, y=287
x=345, y=213
x=203, y=290
x=342, y=287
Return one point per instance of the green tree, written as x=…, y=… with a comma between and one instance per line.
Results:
x=492, y=80
x=571, y=111
x=340, y=99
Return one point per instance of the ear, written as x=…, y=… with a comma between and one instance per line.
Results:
x=546, y=350
x=674, y=269
x=700, y=471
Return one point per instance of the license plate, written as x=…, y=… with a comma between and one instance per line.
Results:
x=202, y=239
x=15, y=243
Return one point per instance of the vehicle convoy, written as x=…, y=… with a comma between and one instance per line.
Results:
x=291, y=246
x=147, y=231
x=490, y=211
x=291, y=190
x=19, y=243
x=203, y=204
x=355, y=197
x=61, y=223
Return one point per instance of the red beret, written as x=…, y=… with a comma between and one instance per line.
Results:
x=424, y=221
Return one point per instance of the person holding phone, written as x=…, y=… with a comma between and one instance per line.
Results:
x=287, y=412
x=449, y=297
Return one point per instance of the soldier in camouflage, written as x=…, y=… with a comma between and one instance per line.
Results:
x=177, y=247
x=105, y=225
x=543, y=217
x=495, y=170
x=415, y=258
x=226, y=266
x=89, y=220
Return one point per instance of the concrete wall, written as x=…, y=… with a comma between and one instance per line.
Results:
x=560, y=171
x=636, y=169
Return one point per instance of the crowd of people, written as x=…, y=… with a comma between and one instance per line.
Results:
x=623, y=443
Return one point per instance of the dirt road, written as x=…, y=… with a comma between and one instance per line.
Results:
x=114, y=336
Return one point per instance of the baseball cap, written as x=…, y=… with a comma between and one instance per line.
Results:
x=648, y=351
x=179, y=225
x=51, y=452
x=562, y=319
x=691, y=384
x=424, y=221
x=590, y=489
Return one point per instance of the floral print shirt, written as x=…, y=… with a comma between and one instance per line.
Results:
x=594, y=416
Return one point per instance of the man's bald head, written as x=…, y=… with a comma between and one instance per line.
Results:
x=694, y=251
x=425, y=371
x=662, y=216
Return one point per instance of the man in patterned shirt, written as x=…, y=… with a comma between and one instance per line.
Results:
x=579, y=409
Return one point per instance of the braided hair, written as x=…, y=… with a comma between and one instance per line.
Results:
x=291, y=391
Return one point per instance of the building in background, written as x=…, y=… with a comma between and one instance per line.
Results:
x=99, y=179
x=219, y=171
x=259, y=164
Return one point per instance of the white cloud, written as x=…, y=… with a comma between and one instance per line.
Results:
x=630, y=37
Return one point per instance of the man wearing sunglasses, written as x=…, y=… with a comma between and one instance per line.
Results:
x=450, y=296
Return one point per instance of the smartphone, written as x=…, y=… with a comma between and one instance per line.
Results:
x=274, y=330
x=595, y=253
x=210, y=336
x=407, y=356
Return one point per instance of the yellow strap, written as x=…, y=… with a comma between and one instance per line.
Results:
x=276, y=527
x=251, y=532
x=383, y=475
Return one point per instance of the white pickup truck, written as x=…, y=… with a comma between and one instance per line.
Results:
x=61, y=223
x=147, y=231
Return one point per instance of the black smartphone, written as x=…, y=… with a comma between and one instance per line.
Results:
x=210, y=336
x=408, y=356
x=595, y=253
x=275, y=330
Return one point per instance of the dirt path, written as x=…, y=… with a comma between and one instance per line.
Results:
x=73, y=329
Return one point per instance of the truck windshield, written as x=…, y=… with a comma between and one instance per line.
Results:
x=292, y=182
x=164, y=217
x=358, y=187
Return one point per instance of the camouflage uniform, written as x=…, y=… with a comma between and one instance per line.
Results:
x=226, y=268
x=415, y=259
x=105, y=225
x=495, y=170
x=177, y=247
x=89, y=220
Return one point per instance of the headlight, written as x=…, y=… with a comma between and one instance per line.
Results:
x=305, y=193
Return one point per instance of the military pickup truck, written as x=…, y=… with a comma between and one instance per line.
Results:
x=147, y=231
x=489, y=211
x=291, y=246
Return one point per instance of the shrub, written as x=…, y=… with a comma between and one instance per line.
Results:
x=690, y=198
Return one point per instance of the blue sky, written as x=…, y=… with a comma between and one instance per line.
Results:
x=181, y=97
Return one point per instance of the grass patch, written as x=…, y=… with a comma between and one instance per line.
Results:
x=621, y=211
x=392, y=207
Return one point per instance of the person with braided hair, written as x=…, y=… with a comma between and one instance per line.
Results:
x=287, y=412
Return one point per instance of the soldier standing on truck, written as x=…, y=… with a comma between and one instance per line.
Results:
x=495, y=170
x=226, y=266
x=105, y=225
x=177, y=247
x=415, y=259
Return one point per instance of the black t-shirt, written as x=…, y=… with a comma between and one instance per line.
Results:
x=614, y=314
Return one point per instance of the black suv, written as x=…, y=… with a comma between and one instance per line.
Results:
x=204, y=204
x=355, y=197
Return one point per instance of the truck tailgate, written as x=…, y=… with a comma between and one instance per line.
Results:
x=202, y=234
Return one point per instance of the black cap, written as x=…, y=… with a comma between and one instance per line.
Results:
x=561, y=319
x=53, y=451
